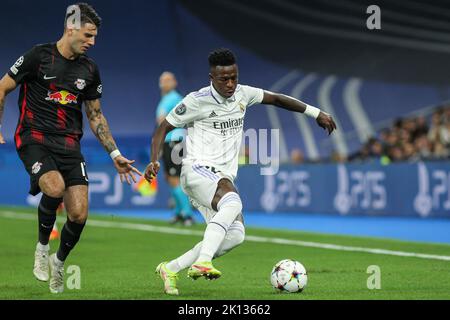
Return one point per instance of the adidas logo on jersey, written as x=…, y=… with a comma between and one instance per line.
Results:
x=213, y=114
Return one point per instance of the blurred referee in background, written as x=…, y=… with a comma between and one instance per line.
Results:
x=172, y=149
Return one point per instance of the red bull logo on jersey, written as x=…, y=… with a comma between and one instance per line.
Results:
x=63, y=97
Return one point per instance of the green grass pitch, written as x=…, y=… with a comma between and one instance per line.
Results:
x=119, y=263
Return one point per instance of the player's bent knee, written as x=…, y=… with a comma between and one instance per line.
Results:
x=76, y=203
x=79, y=218
x=77, y=212
x=53, y=188
x=237, y=233
x=234, y=237
x=52, y=184
x=55, y=192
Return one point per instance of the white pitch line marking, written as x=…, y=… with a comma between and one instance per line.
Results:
x=150, y=228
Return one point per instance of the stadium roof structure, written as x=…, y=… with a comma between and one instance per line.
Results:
x=325, y=36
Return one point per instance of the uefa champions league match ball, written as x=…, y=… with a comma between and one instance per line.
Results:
x=289, y=276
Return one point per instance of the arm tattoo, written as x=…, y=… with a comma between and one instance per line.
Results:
x=99, y=125
x=104, y=135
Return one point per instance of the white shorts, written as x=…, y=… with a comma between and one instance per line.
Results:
x=199, y=182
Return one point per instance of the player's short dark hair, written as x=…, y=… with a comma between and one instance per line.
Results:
x=87, y=15
x=221, y=57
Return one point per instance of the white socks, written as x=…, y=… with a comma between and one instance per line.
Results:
x=214, y=235
x=221, y=235
x=42, y=247
x=228, y=208
x=58, y=262
x=186, y=260
x=234, y=237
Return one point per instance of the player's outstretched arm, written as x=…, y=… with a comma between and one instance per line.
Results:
x=158, y=137
x=7, y=84
x=323, y=119
x=100, y=128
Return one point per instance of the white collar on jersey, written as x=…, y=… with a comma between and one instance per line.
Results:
x=219, y=99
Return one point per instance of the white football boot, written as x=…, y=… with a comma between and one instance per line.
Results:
x=40, y=269
x=56, y=275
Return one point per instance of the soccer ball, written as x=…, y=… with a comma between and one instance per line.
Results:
x=289, y=276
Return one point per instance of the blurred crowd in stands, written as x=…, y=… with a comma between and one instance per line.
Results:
x=408, y=139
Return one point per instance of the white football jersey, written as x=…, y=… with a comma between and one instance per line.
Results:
x=215, y=125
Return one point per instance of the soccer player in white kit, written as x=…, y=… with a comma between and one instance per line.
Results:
x=214, y=117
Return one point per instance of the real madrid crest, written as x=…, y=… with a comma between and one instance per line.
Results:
x=242, y=107
x=80, y=83
x=181, y=109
